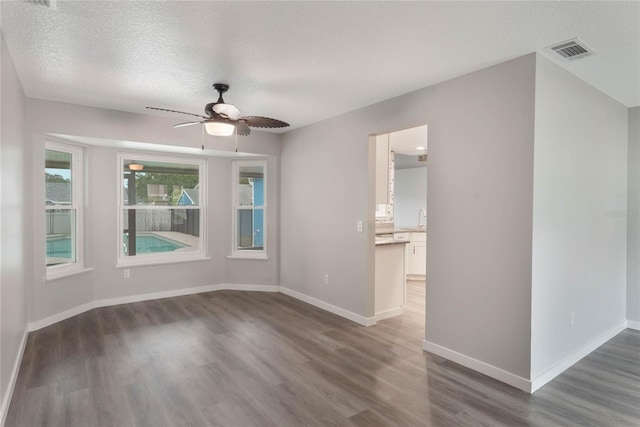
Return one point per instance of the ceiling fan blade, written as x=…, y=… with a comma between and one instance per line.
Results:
x=174, y=111
x=180, y=125
x=242, y=128
x=227, y=110
x=263, y=122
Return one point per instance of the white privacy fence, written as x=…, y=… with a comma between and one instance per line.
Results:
x=59, y=222
x=150, y=220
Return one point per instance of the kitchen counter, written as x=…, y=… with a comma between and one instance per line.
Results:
x=388, y=230
x=389, y=241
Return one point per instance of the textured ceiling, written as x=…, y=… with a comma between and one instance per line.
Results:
x=300, y=62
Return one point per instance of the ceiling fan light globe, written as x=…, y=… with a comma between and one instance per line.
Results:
x=219, y=128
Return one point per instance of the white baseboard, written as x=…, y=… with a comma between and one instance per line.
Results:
x=575, y=357
x=389, y=313
x=12, y=381
x=59, y=317
x=479, y=366
x=632, y=324
x=364, y=321
x=42, y=323
x=156, y=295
x=251, y=288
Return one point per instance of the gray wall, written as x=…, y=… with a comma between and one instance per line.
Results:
x=105, y=281
x=15, y=214
x=480, y=209
x=633, y=220
x=409, y=195
x=579, y=215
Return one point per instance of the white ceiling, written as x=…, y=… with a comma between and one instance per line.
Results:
x=300, y=62
x=412, y=141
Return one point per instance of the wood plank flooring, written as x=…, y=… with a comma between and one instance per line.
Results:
x=264, y=359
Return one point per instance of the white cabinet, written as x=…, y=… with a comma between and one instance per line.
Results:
x=401, y=236
x=405, y=237
x=415, y=253
x=382, y=169
x=417, y=263
x=389, y=280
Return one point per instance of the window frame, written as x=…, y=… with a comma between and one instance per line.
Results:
x=76, y=205
x=235, y=207
x=161, y=257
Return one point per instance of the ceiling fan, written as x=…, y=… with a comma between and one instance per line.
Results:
x=223, y=119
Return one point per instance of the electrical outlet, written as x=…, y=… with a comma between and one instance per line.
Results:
x=326, y=279
x=127, y=273
x=359, y=226
x=573, y=318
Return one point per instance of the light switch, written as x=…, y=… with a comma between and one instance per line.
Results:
x=359, y=226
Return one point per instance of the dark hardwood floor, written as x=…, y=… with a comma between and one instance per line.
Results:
x=263, y=359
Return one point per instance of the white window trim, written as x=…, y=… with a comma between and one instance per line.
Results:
x=246, y=254
x=167, y=257
x=77, y=192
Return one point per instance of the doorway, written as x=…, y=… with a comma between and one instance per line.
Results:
x=400, y=223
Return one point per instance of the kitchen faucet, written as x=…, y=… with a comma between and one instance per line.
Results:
x=421, y=211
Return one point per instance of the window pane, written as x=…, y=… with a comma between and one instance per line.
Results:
x=61, y=245
x=160, y=230
x=160, y=183
x=250, y=225
x=251, y=186
x=57, y=176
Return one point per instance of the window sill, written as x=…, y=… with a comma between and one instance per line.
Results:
x=54, y=277
x=144, y=263
x=249, y=257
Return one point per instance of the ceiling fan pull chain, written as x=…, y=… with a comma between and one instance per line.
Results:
x=202, y=127
x=236, y=139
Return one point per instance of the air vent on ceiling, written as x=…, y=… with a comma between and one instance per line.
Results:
x=51, y=4
x=572, y=49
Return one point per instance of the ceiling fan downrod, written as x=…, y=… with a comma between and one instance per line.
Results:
x=220, y=88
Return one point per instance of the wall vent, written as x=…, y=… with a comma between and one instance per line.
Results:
x=572, y=49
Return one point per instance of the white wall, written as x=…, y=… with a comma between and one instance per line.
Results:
x=579, y=216
x=410, y=194
x=480, y=207
x=105, y=281
x=633, y=221
x=15, y=214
